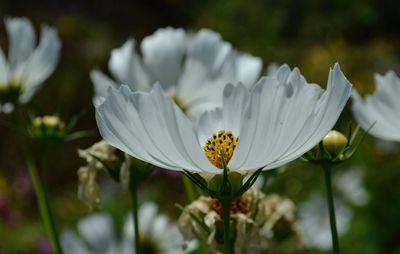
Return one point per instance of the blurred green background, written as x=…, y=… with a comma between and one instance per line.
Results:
x=363, y=36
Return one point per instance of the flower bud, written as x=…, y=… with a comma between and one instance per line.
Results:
x=49, y=127
x=235, y=179
x=334, y=142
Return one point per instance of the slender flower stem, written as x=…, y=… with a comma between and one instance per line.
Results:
x=135, y=211
x=43, y=164
x=41, y=194
x=332, y=218
x=44, y=207
x=226, y=217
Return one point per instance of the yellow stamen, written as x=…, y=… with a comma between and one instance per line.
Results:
x=222, y=142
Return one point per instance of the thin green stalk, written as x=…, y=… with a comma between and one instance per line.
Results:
x=226, y=217
x=43, y=201
x=190, y=189
x=135, y=211
x=43, y=164
x=41, y=194
x=332, y=218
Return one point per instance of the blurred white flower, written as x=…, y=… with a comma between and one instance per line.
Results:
x=314, y=221
x=22, y=74
x=97, y=235
x=380, y=109
x=191, y=68
x=349, y=183
x=259, y=222
x=280, y=119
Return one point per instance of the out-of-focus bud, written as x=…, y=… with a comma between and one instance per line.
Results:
x=334, y=142
x=47, y=128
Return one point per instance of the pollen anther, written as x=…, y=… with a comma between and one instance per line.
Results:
x=222, y=142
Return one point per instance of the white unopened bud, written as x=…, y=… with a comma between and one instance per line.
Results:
x=334, y=142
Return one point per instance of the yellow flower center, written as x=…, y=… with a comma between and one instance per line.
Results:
x=224, y=142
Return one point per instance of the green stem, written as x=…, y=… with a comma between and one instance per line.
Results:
x=226, y=217
x=190, y=189
x=332, y=218
x=43, y=201
x=135, y=211
x=43, y=164
x=41, y=194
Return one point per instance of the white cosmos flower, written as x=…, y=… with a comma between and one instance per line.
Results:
x=314, y=221
x=276, y=122
x=26, y=67
x=96, y=235
x=191, y=68
x=380, y=110
x=349, y=184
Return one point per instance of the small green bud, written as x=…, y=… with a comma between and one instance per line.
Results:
x=235, y=179
x=215, y=182
x=47, y=128
x=334, y=142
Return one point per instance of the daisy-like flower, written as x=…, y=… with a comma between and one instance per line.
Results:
x=96, y=235
x=191, y=68
x=349, y=184
x=378, y=113
x=314, y=221
x=26, y=67
x=280, y=119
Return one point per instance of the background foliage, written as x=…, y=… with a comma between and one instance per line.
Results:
x=362, y=35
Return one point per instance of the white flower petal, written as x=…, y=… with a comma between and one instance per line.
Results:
x=123, y=129
x=235, y=103
x=293, y=117
x=350, y=185
x=41, y=63
x=324, y=116
x=292, y=105
x=209, y=123
x=229, y=118
x=22, y=40
x=156, y=132
x=71, y=244
x=314, y=221
x=163, y=55
x=3, y=69
x=380, y=110
x=248, y=68
x=209, y=49
x=101, y=83
x=126, y=67
x=98, y=231
x=249, y=125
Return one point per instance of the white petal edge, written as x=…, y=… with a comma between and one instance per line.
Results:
x=41, y=63
x=126, y=66
x=22, y=40
x=124, y=123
